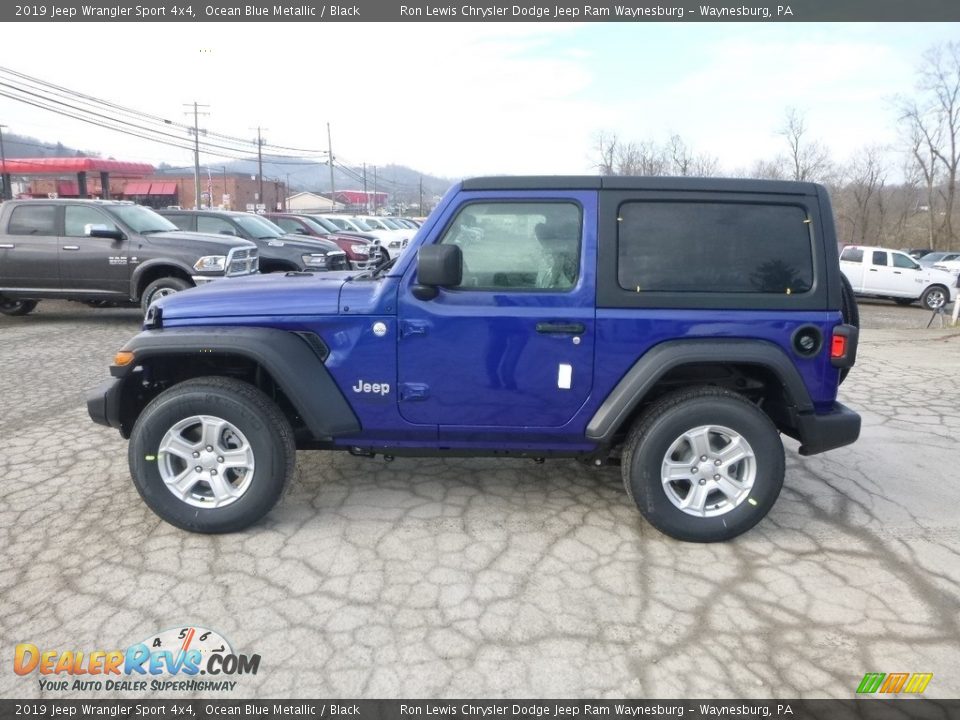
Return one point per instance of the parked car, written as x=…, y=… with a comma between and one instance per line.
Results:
x=932, y=258
x=362, y=254
x=386, y=238
x=105, y=252
x=279, y=251
x=892, y=274
x=917, y=253
x=395, y=239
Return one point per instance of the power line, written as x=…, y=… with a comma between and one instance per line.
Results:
x=75, y=96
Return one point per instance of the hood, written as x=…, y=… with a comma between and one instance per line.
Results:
x=214, y=242
x=303, y=243
x=275, y=294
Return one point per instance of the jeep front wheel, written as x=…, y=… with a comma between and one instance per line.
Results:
x=9, y=306
x=211, y=455
x=703, y=464
x=161, y=288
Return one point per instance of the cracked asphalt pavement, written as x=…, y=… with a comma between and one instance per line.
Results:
x=492, y=578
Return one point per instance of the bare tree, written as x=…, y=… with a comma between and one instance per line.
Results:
x=868, y=175
x=924, y=137
x=940, y=80
x=616, y=157
x=808, y=159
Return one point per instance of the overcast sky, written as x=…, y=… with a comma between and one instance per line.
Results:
x=467, y=99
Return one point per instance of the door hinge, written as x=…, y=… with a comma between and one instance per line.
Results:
x=412, y=327
x=414, y=391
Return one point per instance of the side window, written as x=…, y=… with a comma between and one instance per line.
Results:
x=719, y=247
x=518, y=245
x=879, y=258
x=852, y=254
x=215, y=225
x=33, y=220
x=181, y=221
x=902, y=261
x=77, y=217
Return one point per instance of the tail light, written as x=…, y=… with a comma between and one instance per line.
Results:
x=843, y=346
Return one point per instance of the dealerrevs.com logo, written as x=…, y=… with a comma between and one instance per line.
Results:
x=188, y=659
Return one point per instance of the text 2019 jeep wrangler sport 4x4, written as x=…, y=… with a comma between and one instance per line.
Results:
x=676, y=326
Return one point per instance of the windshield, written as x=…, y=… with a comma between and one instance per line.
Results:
x=931, y=258
x=140, y=219
x=316, y=225
x=392, y=224
x=341, y=223
x=325, y=224
x=258, y=227
x=361, y=225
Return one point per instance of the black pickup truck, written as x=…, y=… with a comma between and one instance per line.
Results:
x=105, y=252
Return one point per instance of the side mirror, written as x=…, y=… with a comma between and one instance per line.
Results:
x=437, y=266
x=102, y=231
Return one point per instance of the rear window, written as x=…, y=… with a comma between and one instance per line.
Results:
x=852, y=254
x=714, y=247
x=33, y=220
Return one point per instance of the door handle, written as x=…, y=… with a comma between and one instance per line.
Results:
x=71, y=247
x=873, y=269
x=562, y=328
x=897, y=272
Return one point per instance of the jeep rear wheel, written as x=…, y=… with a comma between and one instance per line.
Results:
x=161, y=288
x=9, y=306
x=703, y=464
x=211, y=455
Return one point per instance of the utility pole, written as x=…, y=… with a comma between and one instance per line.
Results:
x=4, y=175
x=375, y=198
x=366, y=198
x=333, y=190
x=222, y=201
x=286, y=193
x=196, y=152
x=260, y=200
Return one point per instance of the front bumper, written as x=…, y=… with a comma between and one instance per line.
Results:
x=819, y=432
x=103, y=403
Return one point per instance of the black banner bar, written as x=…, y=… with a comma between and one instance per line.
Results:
x=636, y=11
x=867, y=709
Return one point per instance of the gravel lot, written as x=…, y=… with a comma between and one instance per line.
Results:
x=487, y=578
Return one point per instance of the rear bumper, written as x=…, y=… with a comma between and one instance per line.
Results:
x=819, y=432
x=103, y=403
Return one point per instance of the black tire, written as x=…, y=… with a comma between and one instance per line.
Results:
x=850, y=312
x=935, y=297
x=260, y=423
x=161, y=287
x=904, y=301
x=16, y=308
x=663, y=424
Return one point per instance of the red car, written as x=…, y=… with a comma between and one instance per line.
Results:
x=361, y=253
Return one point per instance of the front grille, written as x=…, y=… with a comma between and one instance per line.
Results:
x=243, y=262
x=337, y=261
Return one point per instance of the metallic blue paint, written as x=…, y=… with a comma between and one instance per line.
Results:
x=468, y=370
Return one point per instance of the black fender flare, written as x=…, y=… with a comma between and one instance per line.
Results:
x=140, y=269
x=294, y=361
x=662, y=358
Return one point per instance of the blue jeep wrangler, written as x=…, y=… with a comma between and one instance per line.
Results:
x=673, y=326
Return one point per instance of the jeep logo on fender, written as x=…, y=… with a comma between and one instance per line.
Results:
x=371, y=388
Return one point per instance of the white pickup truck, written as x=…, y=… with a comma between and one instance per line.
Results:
x=883, y=273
